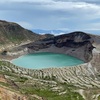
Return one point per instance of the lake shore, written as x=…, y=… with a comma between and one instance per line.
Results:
x=46, y=60
x=8, y=58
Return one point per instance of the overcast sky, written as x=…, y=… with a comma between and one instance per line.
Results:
x=69, y=15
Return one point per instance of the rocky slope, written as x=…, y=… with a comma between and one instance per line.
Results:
x=6, y=94
x=12, y=34
x=9, y=90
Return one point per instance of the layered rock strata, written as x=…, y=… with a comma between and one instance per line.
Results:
x=77, y=44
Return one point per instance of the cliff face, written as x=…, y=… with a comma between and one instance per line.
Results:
x=77, y=44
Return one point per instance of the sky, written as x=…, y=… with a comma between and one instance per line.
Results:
x=68, y=15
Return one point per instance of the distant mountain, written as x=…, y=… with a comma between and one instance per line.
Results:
x=55, y=32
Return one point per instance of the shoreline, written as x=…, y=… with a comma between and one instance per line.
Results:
x=44, y=67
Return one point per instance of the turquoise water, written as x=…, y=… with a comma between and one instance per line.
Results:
x=46, y=60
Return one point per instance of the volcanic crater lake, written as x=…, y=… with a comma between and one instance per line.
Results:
x=46, y=60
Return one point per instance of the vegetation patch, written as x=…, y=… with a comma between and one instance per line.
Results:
x=21, y=79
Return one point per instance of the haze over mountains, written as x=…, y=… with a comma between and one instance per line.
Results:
x=61, y=31
x=54, y=32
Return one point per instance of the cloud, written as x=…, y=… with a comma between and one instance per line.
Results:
x=26, y=25
x=52, y=14
x=88, y=1
x=24, y=1
x=93, y=26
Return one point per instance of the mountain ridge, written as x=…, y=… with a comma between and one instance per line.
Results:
x=13, y=32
